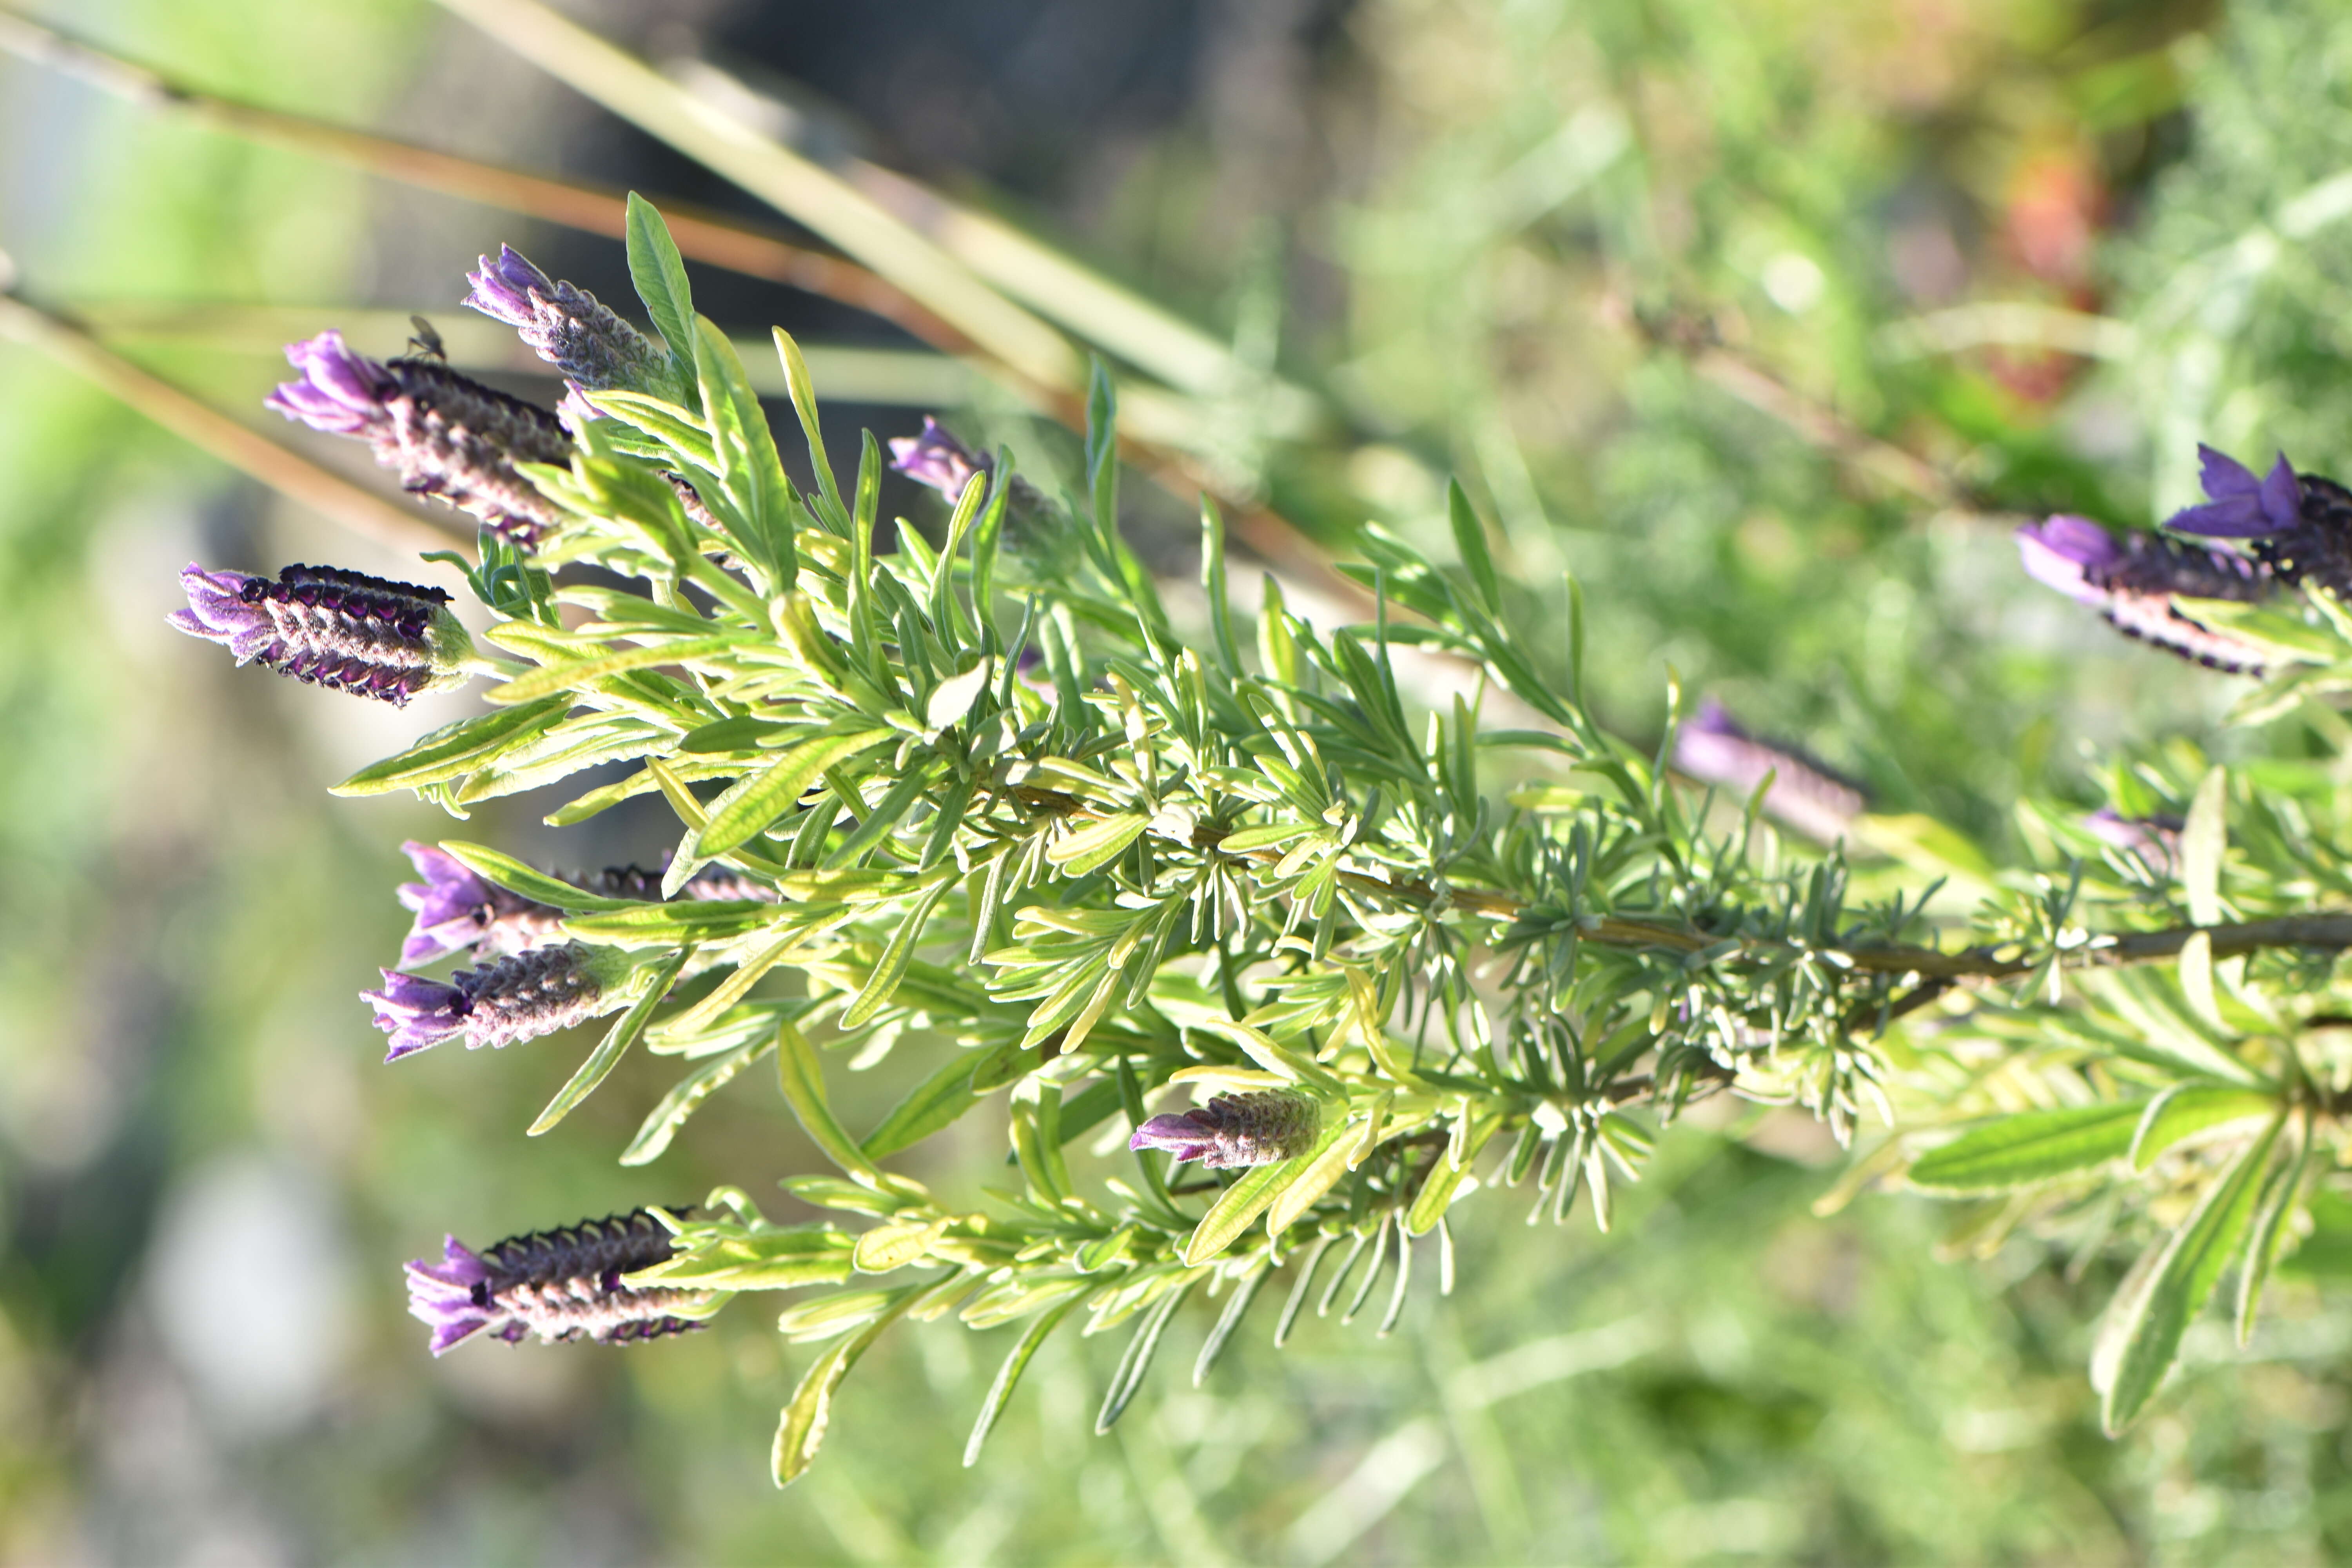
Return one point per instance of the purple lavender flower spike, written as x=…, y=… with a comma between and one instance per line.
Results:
x=563, y=1285
x=2132, y=581
x=1235, y=1129
x=1806, y=794
x=2241, y=507
x=595, y=348
x=457, y=910
x=326, y=627
x=445, y=435
x=519, y=998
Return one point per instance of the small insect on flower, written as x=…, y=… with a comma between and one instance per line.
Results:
x=1235, y=1129
x=561, y=1285
x=343, y=630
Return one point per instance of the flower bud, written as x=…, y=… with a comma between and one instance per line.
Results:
x=519, y=998
x=457, y=910
x=445, y=434
x=595, y=348
x=343, y=630
x=563, y=1285
x=1235, y=1129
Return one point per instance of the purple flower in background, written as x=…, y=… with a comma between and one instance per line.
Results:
x=595, y=348
x=936, y=459
x=563, y=1285
x=519, y=998
x=2243, y=507
x=1714, y=749
x=343, y=630
x=445, y=434
x=1234, y=1130
x=2131, y=581
x=2155, y=839
x=457, y=910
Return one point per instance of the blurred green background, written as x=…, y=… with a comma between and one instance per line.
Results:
x=1693, y=296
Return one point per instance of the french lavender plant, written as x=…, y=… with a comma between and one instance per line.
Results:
x=979, y=809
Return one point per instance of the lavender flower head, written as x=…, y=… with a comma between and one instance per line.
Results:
x=563, y=1285
x=593, y=347
x=2132, y=581
x=1234, y=1130
x=445, y=434
x=519, y=998
x=1714, y=749
x=326, y=627
x=457, y=910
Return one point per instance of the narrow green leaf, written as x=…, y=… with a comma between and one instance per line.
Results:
x=580, y=673
x=2204, y=836
x=537, y=886
x=457, y=749
x=802, y=1429
x=1090, y=849
x=661, y=1124
x=617, y=1040
x=1128, y=1378
x=951, y=698
x=804, y=395
x=937, y=1102
x=2030, y=1147
x=666, y=925
x=2184, y=1278
x=1237, y=1306
x=2185, y=1111
x=1437, y=1190
x=2270, y=1228
x=1009, y=1375
x=659, y=274
x=1470, y=541
x=891, y=967
x=888, y=1248
x=746, y=809
x=802, y=1078
x=1322, y=1172
x=1238, y=1207
x=740, y=732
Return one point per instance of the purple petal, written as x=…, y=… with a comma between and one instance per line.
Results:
x=1714, y=718
x=2222, y=475
x=449, y=905
x=1181, y=1136
x=2059, y=550
x=502, y=288
x=2281, y=495
x=443, y=1296
x=217, y=609
x=416, y=1013
x=341, y=391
